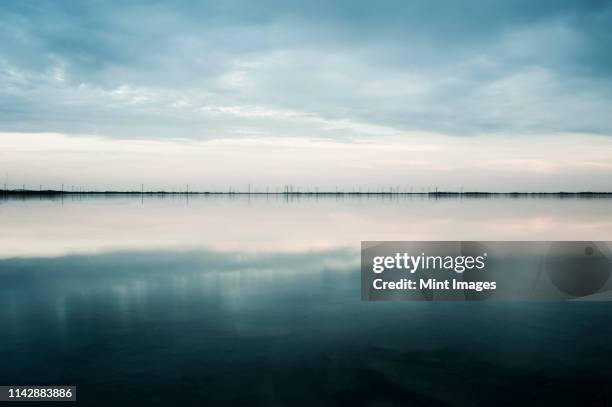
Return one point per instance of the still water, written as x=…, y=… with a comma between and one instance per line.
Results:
x=256, y=301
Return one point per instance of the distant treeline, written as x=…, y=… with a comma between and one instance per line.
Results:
x=51, y=192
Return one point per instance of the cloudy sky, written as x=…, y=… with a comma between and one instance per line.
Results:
x=484, y=95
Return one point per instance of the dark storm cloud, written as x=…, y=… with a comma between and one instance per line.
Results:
x=319, y=68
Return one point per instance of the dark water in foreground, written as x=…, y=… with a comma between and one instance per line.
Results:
x=258, y=303
x=203, y=328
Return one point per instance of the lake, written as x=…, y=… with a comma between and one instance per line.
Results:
x=255, y=300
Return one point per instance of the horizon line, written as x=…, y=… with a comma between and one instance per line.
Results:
x=17, y=192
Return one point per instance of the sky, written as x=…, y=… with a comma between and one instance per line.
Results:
x=479, y=95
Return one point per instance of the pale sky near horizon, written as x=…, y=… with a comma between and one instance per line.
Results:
x=479, y=95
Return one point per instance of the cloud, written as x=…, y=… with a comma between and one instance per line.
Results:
x=480, y=163
x=305, y=69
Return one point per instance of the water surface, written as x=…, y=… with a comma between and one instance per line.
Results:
x=238, y=301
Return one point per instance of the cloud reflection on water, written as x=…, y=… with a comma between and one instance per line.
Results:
x=275, y=225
